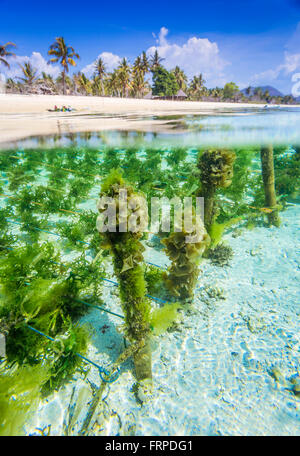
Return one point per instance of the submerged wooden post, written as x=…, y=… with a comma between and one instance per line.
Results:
x=185, y=248
x=216, y=171
x=268, y=176
x=125, y=210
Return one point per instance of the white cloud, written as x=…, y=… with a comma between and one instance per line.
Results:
x=290, y=64
x=111, y=61
x=196, y=55
x=36, y=60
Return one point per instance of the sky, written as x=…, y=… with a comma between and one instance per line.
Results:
x=253, y=42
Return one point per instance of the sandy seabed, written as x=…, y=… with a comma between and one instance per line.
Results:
x=225, y=371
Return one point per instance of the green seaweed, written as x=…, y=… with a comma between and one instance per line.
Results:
x=162, y=318
x=127, y=253
x=183, y=273
x=19, y=397
x=216, y=171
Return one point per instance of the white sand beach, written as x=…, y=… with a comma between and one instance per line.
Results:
x=22, y=116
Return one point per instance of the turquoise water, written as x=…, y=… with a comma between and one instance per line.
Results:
x=230, y=364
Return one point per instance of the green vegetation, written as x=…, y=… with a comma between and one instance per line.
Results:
x=127, y=80
x=19, y=396
x=127, y=253
x=216, y=171
x=164, y=83
x=48, y=211
x=164, y=317
x=268, y=176
x=185, y=255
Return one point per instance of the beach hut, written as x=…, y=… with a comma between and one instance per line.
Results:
x=180, y=95
x=148, y=96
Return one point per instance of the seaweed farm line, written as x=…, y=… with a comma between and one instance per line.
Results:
x=143, y=333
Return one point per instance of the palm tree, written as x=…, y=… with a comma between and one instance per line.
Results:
x=64, y=55
x=145, y=63
x=248, y=91
x=181, y=77
x=100, y=73
x=138, y=82
x=267, y=96
x=217, y=92
x=258, y=92
x=29, y=73
x=66, y=80
x=155, y=60
x=124, y=75
x=197, y=88
x=83, y=83
x=13, y=86
x=112, y=83
x=4, y=53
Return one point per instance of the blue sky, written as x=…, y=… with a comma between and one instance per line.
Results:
x=249, y=42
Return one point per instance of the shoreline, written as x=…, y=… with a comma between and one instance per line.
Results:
x=25, y=116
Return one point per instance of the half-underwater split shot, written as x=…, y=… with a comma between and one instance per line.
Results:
x=150, y=220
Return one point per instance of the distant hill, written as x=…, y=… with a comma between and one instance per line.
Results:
x=273, y=92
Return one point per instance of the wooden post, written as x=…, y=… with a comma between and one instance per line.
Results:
x=268, y=175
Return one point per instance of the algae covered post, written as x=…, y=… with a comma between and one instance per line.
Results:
x=126, y=211
x=183, y=272
x=216, y=171
x=268, y=175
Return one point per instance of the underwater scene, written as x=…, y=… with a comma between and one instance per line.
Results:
x=149, y=282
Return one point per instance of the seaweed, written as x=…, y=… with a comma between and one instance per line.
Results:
x=268, y=176
x=216, y=171
x=19, y=396
x=220, y=255
x=183, y=273
x=37, y=290
x=127, y=253
x=287, y=171
x=63, y=353
x=162, y=318
x=154, y=280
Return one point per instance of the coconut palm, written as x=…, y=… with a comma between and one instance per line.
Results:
x=267, y=96
x=112, y=84
x=181, y=77
x=248, y=91
x=5, y=52
x=29, y=73
x=145, y=63
x=258, y=92
x=217, y=92
x=155, y=60
x=99, y=76
x=124, y=76
x=197, y=88
x=138, y=81
x=83, y=83
x=64, y=79
x=13, y=86
x=64, y=55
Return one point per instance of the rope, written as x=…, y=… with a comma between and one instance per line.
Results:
x=102, y=372
x=82, y=242
x=55, y=167
x=110, y=281
x=98, y=307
